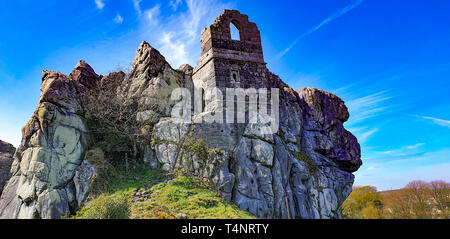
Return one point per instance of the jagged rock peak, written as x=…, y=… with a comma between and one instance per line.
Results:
x=85, y=75
x=6, y=157
x=186, y=69
x=148, y=60
x=57, y=88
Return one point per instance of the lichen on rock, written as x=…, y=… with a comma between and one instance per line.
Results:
x=302, y=171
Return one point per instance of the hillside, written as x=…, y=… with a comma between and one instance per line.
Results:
x=151, y=194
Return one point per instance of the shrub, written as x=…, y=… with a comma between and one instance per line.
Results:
x=106, y=207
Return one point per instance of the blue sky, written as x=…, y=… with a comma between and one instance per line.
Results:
x=388, y=60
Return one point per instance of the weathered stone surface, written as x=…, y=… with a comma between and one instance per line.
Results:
x=6, y=157
x=84, y=175
x=324, y=132
x=49, y=176
x=304, y=170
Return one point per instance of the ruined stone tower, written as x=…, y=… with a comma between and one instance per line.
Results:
x=228, y=63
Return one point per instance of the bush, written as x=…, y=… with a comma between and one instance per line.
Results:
x=106, y=207
x=364, y=202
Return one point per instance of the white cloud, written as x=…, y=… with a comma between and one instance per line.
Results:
x=370, y=168
x=368, y=106
x=365, y=135
x=178, y=49
x=152, y=14
x=177, y=36
x=175, y=3
x=441, y=122
x=415, y=146
x=137, y=6
x=118, y=19
x=323, y=23
x=400, y=153
x=100, y=4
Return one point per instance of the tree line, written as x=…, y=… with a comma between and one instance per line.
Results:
x=417, y=200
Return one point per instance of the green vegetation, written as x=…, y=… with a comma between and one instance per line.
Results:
x=188, y=197
x=364, y=202
x=112, y=192
x=204, y=155
x=282, y=134
x=155, y=142
x=144, y=194
x=302, y=157
x=418, y=200
x=114, y=206
x=199, y=148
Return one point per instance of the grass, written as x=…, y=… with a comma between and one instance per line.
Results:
x=146, y=194
x=188, y=197
x=112, y=197
x=114, y=206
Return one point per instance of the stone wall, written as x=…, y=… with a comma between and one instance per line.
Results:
x=216, y=39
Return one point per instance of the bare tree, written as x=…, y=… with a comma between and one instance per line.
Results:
x=112, y=118
x=418, y=193
x=440, y=193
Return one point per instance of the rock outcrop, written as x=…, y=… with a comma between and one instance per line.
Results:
x=50, y=160
x=303, y=170
x=6, y=157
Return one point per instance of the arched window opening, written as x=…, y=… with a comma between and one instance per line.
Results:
x=234, y=32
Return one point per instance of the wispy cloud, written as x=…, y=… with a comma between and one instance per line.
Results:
x=137, y=6
x=364, y=105
x=175, y=3
x=394, y=168
x=368, y=106
x=415, y=146
x=329, y=19
x=403, y=152
x=170, y=44
x=370, y=168
x=177, y=36
x=118, y=19
x=152, y=14
x=441, y=122
x=366, y=134
x=100, y=4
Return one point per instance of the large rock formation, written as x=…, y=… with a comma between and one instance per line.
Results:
x=302, y=170
x=6, y=157
x=49, y=164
